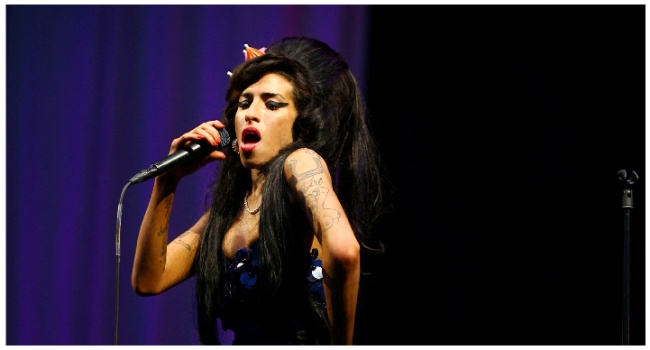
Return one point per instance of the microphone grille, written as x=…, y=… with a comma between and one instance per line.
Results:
x=225, y=138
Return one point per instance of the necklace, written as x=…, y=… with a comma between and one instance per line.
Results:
x=254, y=211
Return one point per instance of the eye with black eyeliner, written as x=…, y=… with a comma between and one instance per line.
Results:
x=244, y=104
x=272, y=105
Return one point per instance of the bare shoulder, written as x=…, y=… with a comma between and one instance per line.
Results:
x=303, y=165
x=311, y=184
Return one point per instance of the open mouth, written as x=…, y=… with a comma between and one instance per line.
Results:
x=250, y=135
x=249, y=139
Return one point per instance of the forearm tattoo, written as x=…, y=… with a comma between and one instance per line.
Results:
x=179, y=240
x=310, y=184
x=162, y=233
x=168, y=208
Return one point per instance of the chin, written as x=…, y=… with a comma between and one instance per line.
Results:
x=252, y=162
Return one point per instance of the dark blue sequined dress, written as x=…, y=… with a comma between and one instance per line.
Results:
x=300, y=318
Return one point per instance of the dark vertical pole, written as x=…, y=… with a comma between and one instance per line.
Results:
x=626, y=266
x=627, y=204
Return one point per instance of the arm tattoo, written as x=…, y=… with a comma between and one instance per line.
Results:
x=168, y=208
x=179, y=240
x=317, y=169
x=311, y=186
x=315, y=202
x=163, y=254
x=163, y=230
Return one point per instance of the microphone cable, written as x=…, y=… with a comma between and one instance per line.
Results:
x=117, y=259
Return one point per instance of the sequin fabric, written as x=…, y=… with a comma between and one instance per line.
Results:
x=306, y=323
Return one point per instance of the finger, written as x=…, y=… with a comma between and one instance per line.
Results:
x=213, y=127
x=217, y=154
x=179, y=142
x=218, y=126
x=207, y=132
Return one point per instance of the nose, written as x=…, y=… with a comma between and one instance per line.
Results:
x=253, y=111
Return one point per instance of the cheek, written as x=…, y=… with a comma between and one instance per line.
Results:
x=239, y=122
x=239, y=115
x=288, y=134
x=282, y=134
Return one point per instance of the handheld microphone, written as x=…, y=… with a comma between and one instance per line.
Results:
x=193, y=151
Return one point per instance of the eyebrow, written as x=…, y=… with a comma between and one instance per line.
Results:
x=265, y=95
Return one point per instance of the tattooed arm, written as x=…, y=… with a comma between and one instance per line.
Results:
x=311, y=184
x=159, y=265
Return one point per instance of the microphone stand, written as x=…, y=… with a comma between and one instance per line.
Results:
x=627, y=205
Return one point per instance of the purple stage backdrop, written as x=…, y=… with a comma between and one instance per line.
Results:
x=96, y=93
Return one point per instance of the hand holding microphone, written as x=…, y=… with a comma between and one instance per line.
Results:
x=202, y=141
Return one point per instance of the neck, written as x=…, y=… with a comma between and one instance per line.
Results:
x=257, y=185
x=257, y=178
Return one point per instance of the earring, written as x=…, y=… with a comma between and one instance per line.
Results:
x=235, y=146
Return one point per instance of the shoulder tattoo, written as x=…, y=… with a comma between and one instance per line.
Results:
x=310, y=184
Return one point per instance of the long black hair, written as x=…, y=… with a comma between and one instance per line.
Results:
x=343, y=137
x=338, y=130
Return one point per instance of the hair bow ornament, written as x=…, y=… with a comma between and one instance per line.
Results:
x=251, y=52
